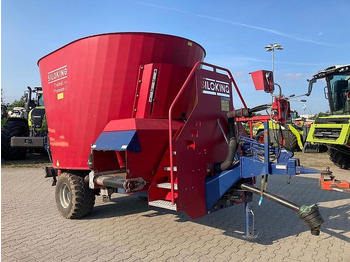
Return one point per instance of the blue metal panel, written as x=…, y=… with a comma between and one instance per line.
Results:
x=216, y=187
x=306, y=170
x=118, y=141
x=252, y=167
x=284, y=156
x=292, y=166
x=280, y=169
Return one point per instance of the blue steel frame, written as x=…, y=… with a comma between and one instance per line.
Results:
x=254, y=162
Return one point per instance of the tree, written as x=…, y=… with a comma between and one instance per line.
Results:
x=321, y=114
x=17, y=103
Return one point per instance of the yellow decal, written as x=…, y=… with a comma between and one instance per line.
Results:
x=60, y=96
x=189, y=43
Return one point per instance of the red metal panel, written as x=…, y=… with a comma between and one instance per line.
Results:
x=201, y=143
x=161, y=176
x=143, y=106
x=173, y=77
x=140, y=124
x=153, y=138
x=159, y=85
x=263, y=80
x=93, y=80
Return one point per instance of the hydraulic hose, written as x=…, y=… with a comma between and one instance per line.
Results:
x=232, y=147
x=247, y=112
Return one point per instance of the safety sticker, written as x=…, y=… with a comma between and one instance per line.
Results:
x=225, y=104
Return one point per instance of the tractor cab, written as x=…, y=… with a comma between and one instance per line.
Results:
x=339, y=93
x=36, y=111
x=33, y=98
x=337, y=90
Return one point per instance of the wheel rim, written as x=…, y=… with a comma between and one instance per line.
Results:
x=65, y=196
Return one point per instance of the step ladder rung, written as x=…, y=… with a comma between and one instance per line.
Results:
x=166, y=186
x=163, y=204
x=167, y=168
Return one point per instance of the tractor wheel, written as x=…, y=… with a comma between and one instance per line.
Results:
x=74, y=198
x=339, y=156
x=290, y=141
x=10, y=129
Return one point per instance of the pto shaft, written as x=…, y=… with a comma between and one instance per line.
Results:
x=309, y=214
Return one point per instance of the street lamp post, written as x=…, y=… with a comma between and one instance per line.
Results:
x=273, y=47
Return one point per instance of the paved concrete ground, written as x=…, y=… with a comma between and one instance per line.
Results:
x=126, y=229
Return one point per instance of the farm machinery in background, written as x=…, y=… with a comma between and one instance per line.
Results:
x=330, y=183
x=291, y=135
x=3, y=111
x=160, y=122
x=334, y=130
x=25, y=127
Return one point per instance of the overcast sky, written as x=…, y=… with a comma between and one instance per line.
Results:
x=314, y=34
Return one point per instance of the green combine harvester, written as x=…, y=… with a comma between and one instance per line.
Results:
x=333, y=130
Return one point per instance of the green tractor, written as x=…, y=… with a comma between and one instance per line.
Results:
x=289, y=135
x=333, y=130
x=25, y=127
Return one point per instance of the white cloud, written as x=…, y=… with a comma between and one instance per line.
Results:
x=295, y=76
x=220, y=20
x=239, y=73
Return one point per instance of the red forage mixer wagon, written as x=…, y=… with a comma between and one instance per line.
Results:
x=142, y=113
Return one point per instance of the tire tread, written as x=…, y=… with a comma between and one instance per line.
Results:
x=82, y=197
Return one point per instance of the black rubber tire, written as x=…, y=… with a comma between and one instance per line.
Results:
x=338, y=156
x=290, y=141
x=10, y=129
x=74, y=198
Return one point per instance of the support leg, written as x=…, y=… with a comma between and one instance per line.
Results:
x=250, y=233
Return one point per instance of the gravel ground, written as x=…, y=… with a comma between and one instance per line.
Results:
x=321, y=161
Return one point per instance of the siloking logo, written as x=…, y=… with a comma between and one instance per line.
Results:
x=215, y=87
x=57, y=74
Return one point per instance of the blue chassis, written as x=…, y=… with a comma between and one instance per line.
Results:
x=254, y=162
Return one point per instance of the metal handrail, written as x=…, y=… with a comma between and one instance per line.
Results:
x=171, y=111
